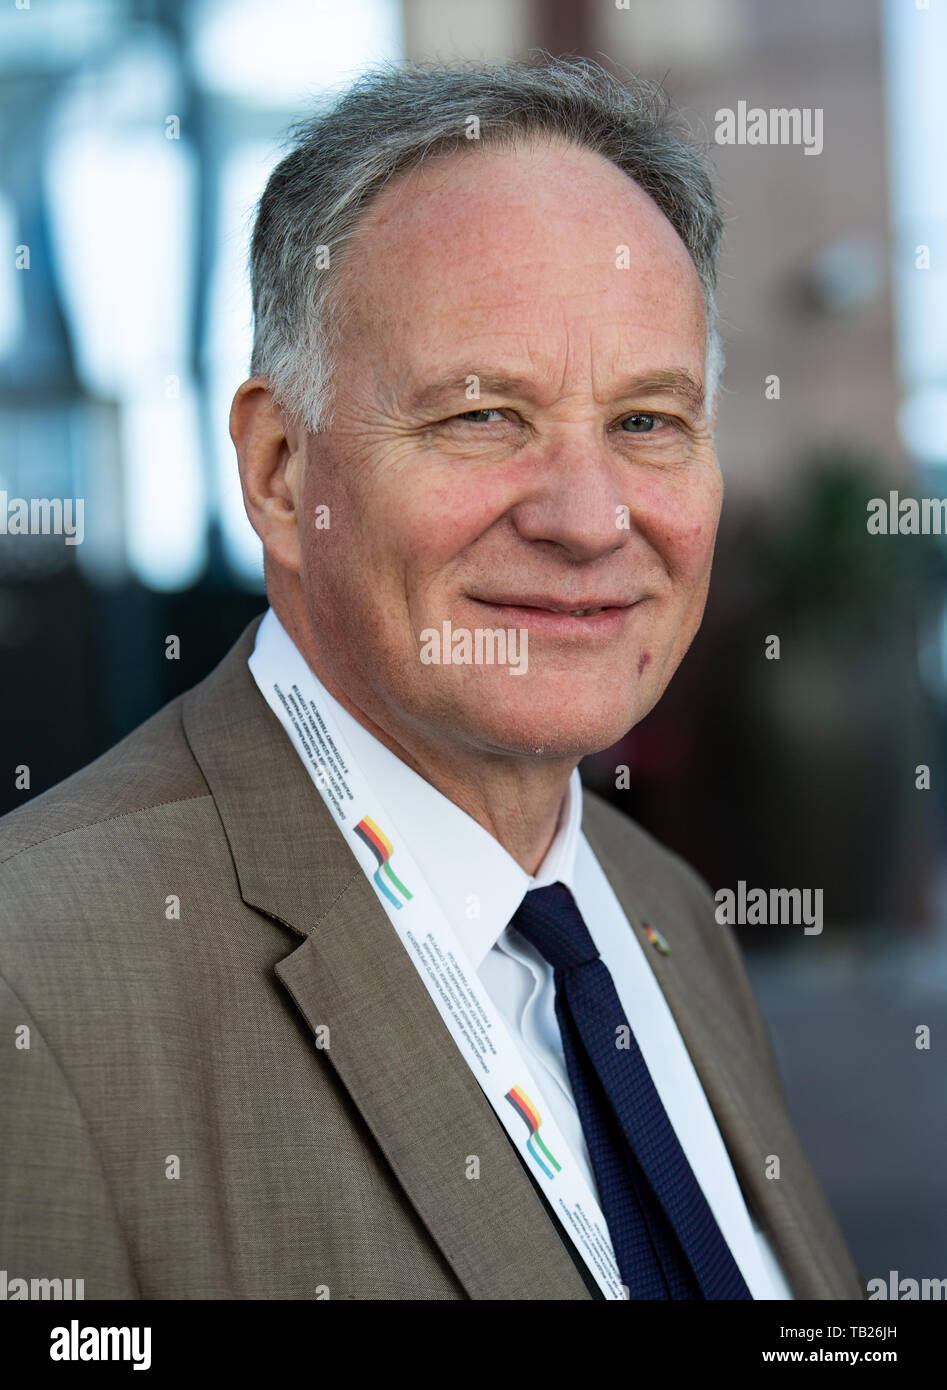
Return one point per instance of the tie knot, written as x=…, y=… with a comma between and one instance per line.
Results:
x=550, y=921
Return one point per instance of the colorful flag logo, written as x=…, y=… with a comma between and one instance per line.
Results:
x=527, y=1111
x=382, y=848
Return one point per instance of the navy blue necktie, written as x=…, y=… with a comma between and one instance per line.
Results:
x=666, y=1240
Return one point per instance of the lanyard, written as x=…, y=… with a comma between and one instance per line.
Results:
x=437, y=954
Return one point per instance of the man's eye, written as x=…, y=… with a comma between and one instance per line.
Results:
x=476, y=416
x=641, y=422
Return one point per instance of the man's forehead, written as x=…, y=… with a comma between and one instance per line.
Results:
x=466, y=217
x=525, y=287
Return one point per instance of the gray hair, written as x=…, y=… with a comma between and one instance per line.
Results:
x=399, y=115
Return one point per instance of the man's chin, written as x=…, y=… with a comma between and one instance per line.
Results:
x=569, y=735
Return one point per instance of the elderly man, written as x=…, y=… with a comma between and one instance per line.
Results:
x=332, y=981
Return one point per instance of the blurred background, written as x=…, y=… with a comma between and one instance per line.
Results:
x=136, y=138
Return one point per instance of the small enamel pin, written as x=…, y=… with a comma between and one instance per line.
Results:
x=656, y=939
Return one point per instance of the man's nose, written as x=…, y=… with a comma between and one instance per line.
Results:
x=572, y=496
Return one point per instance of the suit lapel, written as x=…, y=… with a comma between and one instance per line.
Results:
x=351, y=975
x=418, y=1096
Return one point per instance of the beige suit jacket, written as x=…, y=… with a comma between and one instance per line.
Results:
x=174, y=1131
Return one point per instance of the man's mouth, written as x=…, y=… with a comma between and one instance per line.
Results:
x=594, y=616
x=562, y=607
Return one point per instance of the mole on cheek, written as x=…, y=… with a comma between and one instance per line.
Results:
x=643, y=660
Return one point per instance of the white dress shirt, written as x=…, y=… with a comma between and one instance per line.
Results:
x=479, y=886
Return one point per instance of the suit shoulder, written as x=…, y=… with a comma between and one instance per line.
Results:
x=150, y=767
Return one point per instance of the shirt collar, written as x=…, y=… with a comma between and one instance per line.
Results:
x=477, y=883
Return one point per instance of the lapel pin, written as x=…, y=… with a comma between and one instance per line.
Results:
x=657, y=940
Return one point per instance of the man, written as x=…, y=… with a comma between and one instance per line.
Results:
x=335, y=982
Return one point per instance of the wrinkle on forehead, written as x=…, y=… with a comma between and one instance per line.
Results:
x=513, y=253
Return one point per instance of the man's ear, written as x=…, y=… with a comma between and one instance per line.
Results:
x=270, y=454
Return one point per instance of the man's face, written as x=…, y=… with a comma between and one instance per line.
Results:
x=583, y=476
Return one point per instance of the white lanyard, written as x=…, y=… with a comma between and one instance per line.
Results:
x=469, y=1013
